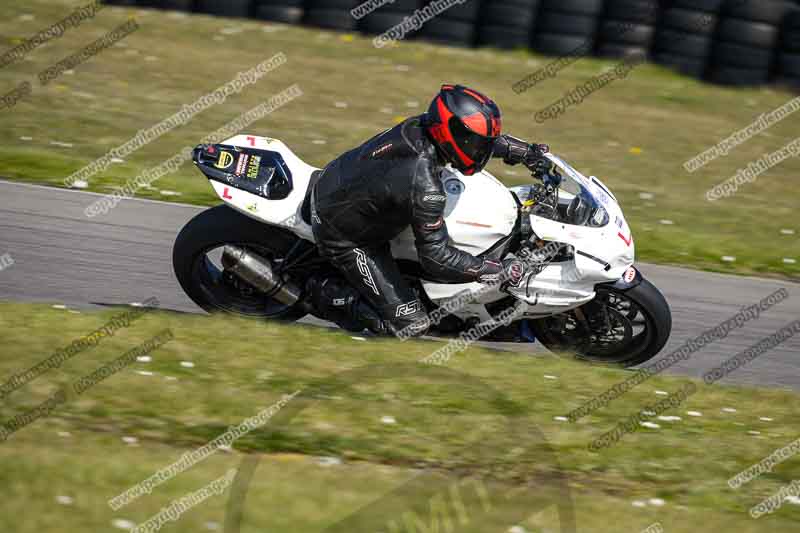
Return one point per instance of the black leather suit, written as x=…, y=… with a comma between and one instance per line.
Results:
x=364, y=199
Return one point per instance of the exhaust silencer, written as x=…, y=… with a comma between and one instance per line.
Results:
x=258, y=272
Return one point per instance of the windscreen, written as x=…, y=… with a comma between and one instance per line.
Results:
x=572, y=203
x=578, y=206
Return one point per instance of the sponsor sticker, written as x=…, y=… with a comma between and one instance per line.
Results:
x=253, y=167
x=629, y=275
x=601, y=194
x=225, y=160
x=241, y=165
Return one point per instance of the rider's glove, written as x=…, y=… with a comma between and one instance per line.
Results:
x=514, y=271
x=509, y=272
x=515, y=151
x=490, y=272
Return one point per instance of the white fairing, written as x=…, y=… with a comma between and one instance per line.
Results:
x=284, y=213
x=480, y=211
x=601, y=254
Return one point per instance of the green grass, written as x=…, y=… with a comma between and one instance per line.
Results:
x=461, y=420
x=635, y=134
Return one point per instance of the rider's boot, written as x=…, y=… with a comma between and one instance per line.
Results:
x=332, y=298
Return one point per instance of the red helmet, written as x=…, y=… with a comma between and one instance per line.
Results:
x=464, y=124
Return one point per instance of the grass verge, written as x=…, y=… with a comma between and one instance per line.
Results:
x=379, y=430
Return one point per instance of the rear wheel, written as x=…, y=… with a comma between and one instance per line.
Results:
x=618, y=327
x=198, y=267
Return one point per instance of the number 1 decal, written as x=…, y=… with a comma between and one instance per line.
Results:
x=627, y=241
x=252, y=140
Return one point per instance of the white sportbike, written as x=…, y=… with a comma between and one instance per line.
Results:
x=581, y=292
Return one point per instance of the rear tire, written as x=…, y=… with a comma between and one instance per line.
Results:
x=644, y=299
x=213, y=229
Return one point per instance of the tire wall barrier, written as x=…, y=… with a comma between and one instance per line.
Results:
x=729, y=42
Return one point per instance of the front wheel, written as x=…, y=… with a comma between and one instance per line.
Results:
x=621, y=327
x=196, y=260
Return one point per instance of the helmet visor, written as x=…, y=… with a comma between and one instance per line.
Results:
x=476, y=147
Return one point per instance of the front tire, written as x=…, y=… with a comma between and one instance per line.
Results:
x=620, y=327
x=208, y=285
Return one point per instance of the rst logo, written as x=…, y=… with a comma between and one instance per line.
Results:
x=409, y=308
x=363, y=268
